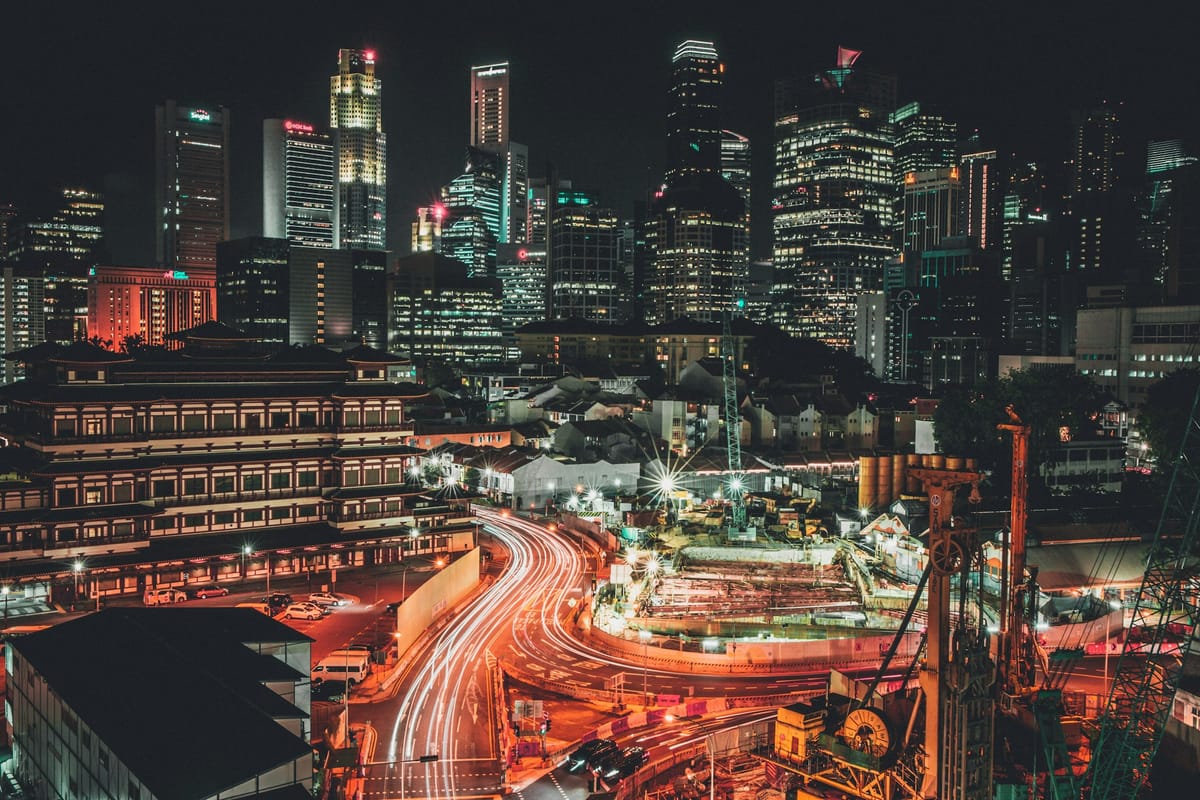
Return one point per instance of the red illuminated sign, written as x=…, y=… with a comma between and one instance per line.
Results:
x=302, y=127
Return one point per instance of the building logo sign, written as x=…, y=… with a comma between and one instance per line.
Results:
x=199, y=115
x=302, y=127
x=175, y=275
x=491, y=73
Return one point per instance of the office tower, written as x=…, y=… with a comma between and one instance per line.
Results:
x=1091, y=188
x=192, y=186
x=696, y=231
x=62, y=249
x=834, y=197
x=541, y=201
x=22, y=317
x=471, y=229
x=932, y=204
x=437, y=310
x=1167, y=231
x=870, y=337
x=490, y=106
x=427, y=229
x=9, y=232
x=924, y=140
x=583, y=261
x=369, y=305
x=735, y=165
x=982, y=189
x=299, y=191
x=253, y=289
x=693, y=110
x=320, y=301
x=1023, y=205
x=355, y=115
x=521, y=270
x=148, y=302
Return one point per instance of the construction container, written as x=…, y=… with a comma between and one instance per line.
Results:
x=868, y=482
x=884, y=493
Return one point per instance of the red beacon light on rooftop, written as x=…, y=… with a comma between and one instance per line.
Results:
x=369, y=55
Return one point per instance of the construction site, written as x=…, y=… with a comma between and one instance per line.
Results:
x=985, y=708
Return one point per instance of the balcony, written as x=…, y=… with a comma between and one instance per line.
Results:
x=236, y=497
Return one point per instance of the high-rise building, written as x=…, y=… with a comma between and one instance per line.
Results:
x=489, y=106
x=62, y=249
x=583, y=260
x=1091, y=215
x=9, y=233
x=982, y=189
x=300, y=201
x=735, y=165
x=192, y=186
x=148, y=302
x=471, y=229
x=693, y=110
x=355, y=115
x=1024, y=204
x=696, y=231
x=438, y=310
x=427, y=229
x=834, y=197
x=521, y=270
x=22, y=315
x=931, y=208
x=1168, y=234
x=369, y=304
x=320, y=299
x=253, y=288
x=924, y=140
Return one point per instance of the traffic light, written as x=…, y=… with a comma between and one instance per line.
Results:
x=547, y=725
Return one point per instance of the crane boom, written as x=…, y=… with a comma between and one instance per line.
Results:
x=733, y=426
x=1143, y=689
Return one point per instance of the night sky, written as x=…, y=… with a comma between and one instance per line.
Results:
x=589, y=84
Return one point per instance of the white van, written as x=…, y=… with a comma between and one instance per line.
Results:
x=163, y=597
x=351, y=666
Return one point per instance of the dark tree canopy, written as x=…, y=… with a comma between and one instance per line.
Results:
x=1164, y=416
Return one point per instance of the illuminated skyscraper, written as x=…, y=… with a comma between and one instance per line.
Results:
x=61, y=250
x=735, y=164
x=427, y=229
x=299, y=197
x=471, y=201
x=696, y=237
x=931, y=208
x=490, y=105
x=693, y=110
x=924, y=140
x=834, y=197
x=584, y=264
x=1092, y=216
x=981, y=197
x=355, y=115
x=192, y=187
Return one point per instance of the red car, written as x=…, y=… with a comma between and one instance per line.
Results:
x=211, y=590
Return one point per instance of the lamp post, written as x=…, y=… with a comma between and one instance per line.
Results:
x=4, y=590
x=245, y=553
x=77, y=568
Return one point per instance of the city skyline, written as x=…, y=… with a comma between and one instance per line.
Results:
x=601, y=122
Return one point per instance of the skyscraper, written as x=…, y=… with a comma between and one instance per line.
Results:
x=696, y=236
x=584, y=265
x=924, y=139
x=471, y=228
x=253, y=289
x=22, y=320
x=981, y=197
x=1092, y=177
x=834, y=196
x=490, y=105
x=300, y=201
x=355, y=115
x=192, y=186
x=735, y=165
x=693, y=110
x=931, y=208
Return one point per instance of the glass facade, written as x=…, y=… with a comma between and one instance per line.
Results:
x=355, y=114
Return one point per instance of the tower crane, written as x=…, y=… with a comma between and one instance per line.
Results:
x=735, y=490
x=1143, y=689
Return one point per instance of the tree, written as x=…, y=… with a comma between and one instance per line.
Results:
x=471, y=478
x=1164, y=416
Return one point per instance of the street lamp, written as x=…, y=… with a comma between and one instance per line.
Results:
x=77, y=568
x=246, y=550
x=4, y=590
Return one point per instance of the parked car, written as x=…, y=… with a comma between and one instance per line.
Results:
x=629, y=762
x=163, y=597
x=303, y=611
x=332, y=691
x=280, y=599
x=589, y=753
x=210, y=590
x=325, y=599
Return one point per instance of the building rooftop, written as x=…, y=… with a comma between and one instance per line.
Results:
x=181, y=698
